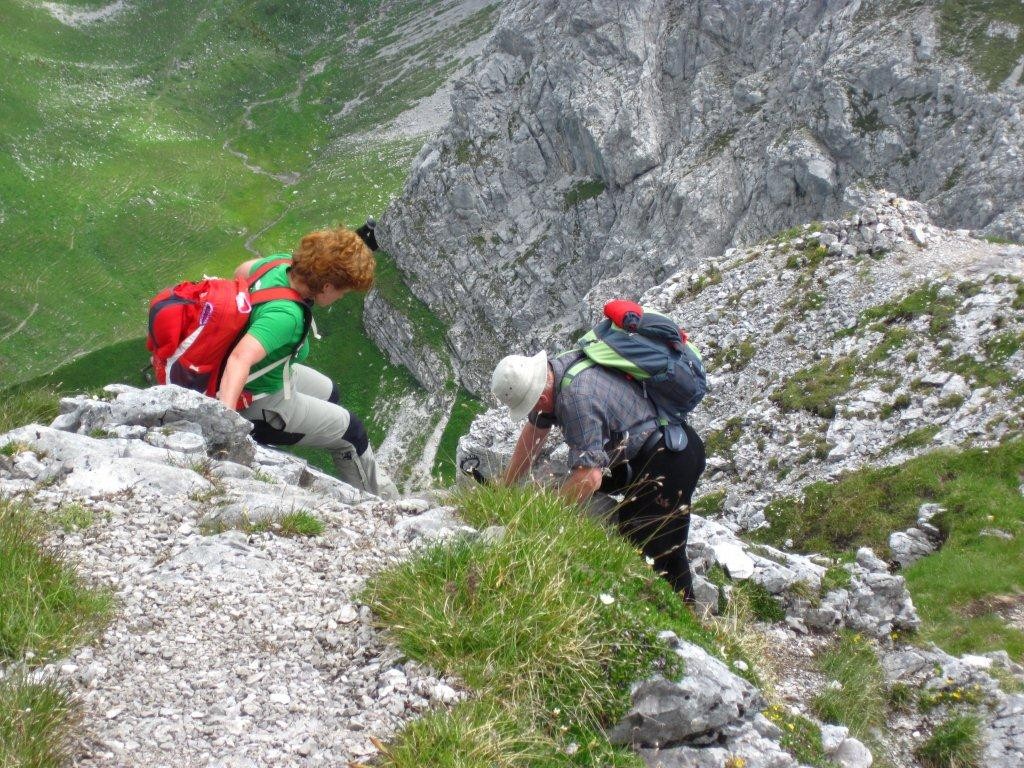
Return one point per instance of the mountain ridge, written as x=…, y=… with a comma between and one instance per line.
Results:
x=564, y=179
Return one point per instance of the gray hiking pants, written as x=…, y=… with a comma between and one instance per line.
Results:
x=310, y=418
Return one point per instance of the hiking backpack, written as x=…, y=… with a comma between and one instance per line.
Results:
x=194, y=325
x=649, y=347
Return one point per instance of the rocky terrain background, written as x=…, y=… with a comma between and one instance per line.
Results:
x=598, y=147
x=234, y=645
x=768, y=313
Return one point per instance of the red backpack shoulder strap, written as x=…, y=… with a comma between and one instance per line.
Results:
x=264, y=268
x=264, y=295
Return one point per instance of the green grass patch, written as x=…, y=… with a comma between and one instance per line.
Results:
x=919, y=438
x=717, y=145
x=299, y=524
x=892, y=339
x=738, y=355
x=428, y=329
x=835, y=577
x=963, y=33
x=124, y=362
x=950, y=695
x=36, y=722
x=815, y=389
x=44, y=606
x=556, y=619
x=859, y=701
x=473, y=734
x=955, y=743
x=965, y=592
x=464, y=410
x=293, y=525
x=710, y=504
x=712, y=277
x=582, y=191
x=998, y=240
x=800, y=737
x=983, y=373
x=809, y=257
x=940, y=307
x=763, y=605
x=787, y=235
x=719, y=442
x=1004, y=345
x=29, y=405
x=74, y=517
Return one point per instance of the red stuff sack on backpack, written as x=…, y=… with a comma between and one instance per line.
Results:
x=194, y=325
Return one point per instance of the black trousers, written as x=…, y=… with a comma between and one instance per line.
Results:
x=650, y=515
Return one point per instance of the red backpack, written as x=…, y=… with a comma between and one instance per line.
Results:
x=194, y=326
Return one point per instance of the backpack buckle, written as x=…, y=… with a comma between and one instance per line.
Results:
x=242, y=303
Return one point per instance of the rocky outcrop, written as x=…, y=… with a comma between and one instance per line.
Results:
x=232, y=644
x=598, y=147
x=909, y=546
x=936, y=371
x=946, y=683
x=710, y=718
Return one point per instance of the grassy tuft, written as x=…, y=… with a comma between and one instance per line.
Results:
x=583, y=191
x=556, y=619
x=473, y=734
x=35, y=723
x=294, y=524
x=710, y=505
x=762, y=603
x=45, y=607
x=800, y=736
x=859, y=701
x=956, y=743
x=738, y=356
x=74, y=517
x=27, y=406
x=300, y=524
x=835, y=577
x=816, y=388
x=736, y=622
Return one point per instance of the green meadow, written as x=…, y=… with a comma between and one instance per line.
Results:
x=177, y=139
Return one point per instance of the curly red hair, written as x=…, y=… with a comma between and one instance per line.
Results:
x=336, y=257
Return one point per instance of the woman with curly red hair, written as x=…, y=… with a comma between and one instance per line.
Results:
x=292, y=404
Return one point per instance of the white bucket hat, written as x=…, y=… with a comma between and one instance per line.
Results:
x=518, y=382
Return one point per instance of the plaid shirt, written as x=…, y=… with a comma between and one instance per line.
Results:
x=604, y=416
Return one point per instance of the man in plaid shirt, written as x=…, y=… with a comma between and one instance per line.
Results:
x=615, y=445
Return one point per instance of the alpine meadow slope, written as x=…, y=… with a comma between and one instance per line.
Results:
x=153, y=142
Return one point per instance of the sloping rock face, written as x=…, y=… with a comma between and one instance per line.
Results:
x=600, y=146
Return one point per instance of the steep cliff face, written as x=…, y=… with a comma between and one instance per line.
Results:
x=598, y=147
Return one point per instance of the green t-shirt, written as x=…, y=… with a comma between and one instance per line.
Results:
x=277, y=326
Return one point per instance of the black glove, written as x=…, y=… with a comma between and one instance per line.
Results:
x=471, y=466
x=368, y=233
